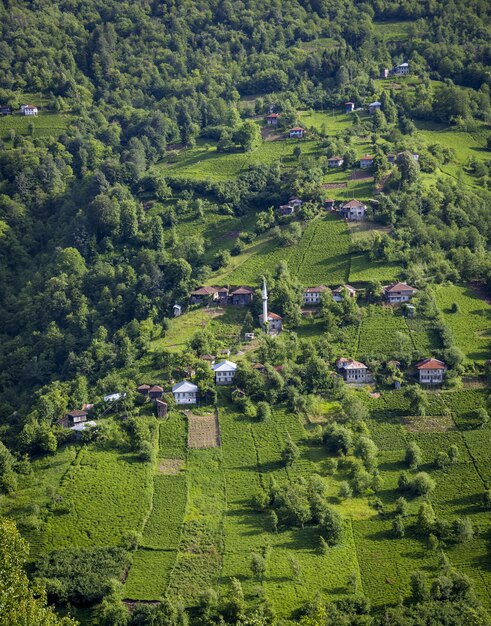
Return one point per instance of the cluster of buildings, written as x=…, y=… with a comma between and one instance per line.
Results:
x=395, y=293
x=223, y=296
x=430, y=371
x=25, y=109
x=293, y=204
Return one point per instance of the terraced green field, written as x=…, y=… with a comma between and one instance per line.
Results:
x=321, y=257
x=44, y=124
x=471, y=325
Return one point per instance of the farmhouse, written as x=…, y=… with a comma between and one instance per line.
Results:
x=272, y=118
x=242, y=296
x=335, y=161
x=353, y=371
x=28, y=109
x=431, y=371
x=384, y=72
x=275, y=322
x=75, y=417
x=297, y=132
x=374, y=106
x=155, y=392
x=177, y=310
x=338, y=293
x=286, y=209
x=185, y=392
x=366, y=161
x=114, y=397
x=393, y=158
x=5, y=110
x=208, y=358
x=349, y=107
x=204, y=294
x=399, y=292
x=353, y=210
x=401, y=70
x=312, y=295
x=143, y=389
x=224, y=372
x=295, y=202
x=329, y=204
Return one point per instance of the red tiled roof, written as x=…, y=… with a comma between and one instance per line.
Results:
x=297, y=128
x=431, y=364
x=315, y=289
x=367, y=157
x=399, y=287
x=273, y=316
x=242, y=291
x=340, y=289
x=273, y=115
x=335, y=158
x=156, y=388
x=353, y=204
x=204, y=291
x=143, y=387
x=77, y=413
x=258, y=366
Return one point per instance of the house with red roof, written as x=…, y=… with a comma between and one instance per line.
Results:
x=431, y=371
x=335, y=161
x=399, y=292
x=297, y=132
x=204, y=294
x=338, y=293
x=366, y=161
x=272, y=118
x=275, y=322
x=312, y=295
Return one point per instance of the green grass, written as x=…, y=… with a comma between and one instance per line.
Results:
x=105, y=494
x=321, y=256
x=471, y=325
x=363, y=270
x=44, y=124
x=203, y=162
x=393, y=30
x=181, y=329
x=149, y=574
x=334, y=120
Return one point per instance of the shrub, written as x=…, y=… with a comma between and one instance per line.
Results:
x=422, y=484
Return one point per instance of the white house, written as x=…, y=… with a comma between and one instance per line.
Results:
x=312, y=295
x=374, y=106
x=28, y=109
x=401, y=70
x=353, y=210
x=185, y=392
x=272, y=119
x=177, y=310
x=297, y=132
x=114, y=397
x=431, y=371
x=353, y=371
x=399, y=292
x=349, y=107
x=224, y=372
x=275, y=322
x=337, y=293
x=366, y=161
x=335, y=161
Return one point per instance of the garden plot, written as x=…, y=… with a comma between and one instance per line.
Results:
x=203, y=431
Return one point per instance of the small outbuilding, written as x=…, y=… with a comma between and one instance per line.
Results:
x=349, y=107
x=155, y=392
x=297, y=132
x=338, y=293
x=272, y=119
x=177, y=310
x=374, y=106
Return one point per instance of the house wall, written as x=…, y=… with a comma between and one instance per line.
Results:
x=224, y=378
x=356, y=376
x=430, y=376
x=185, y=397
x=311, y=298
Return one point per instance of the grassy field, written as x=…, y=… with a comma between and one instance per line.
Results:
x=321, y=256
x=44, y=124
x=471, y=325
x=393, y=30
x=362, y=270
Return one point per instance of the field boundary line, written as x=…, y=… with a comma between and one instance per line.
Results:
x=356, y=552
x=410, y=333
x=181, y=528
x=307, y=246
x=225, y=510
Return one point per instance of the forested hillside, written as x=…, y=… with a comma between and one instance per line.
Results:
x=149, y=171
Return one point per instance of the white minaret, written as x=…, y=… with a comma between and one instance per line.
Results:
x=265, y=303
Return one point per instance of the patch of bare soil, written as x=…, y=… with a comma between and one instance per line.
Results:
x=170, y=467
x=360, y=175
x=334, y=185
x=271, y=133
x=437, y=424
x=203, y=431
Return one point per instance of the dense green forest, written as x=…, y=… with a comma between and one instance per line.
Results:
x=109, y=217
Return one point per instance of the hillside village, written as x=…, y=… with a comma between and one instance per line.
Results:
x=245, y=314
